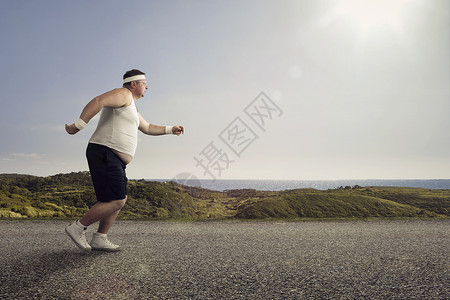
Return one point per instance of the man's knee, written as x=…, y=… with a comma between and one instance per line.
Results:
x=123, y=201
x=120, y=203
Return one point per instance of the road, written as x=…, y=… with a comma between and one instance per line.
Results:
x=230, y=260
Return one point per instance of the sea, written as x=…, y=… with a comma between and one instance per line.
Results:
x=280, y=185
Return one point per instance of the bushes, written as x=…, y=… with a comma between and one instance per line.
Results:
x=71, y=195
x=341, y=203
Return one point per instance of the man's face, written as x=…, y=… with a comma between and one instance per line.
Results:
x=141, y=87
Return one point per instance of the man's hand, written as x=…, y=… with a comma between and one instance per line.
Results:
x=71, y=129
x=178, y=129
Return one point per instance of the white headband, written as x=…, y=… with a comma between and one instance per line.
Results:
x=133, y=78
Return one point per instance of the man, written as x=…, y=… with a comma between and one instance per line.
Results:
x=110, y=149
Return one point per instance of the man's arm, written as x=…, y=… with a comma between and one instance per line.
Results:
x=152, y=129
x=115, y=98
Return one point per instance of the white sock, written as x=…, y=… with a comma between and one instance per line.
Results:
x=100, y=234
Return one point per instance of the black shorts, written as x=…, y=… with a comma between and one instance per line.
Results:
x=107, y=173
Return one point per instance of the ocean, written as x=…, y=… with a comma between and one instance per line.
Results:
x=279, y=185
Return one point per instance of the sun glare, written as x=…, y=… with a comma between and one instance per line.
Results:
x=370, y=13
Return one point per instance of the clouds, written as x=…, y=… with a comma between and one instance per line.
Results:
x=28, y=163
x=26, y=156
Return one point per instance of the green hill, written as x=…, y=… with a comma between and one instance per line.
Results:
x=308, y=203
x=71, y=195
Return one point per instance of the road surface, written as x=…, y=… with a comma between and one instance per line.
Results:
x=230, y=260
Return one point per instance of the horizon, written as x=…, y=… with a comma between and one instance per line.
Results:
x=242, y=179
x=271, y=90
x=282, y=185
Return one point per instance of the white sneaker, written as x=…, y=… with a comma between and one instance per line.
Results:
x=76, y=233
x=101, y=242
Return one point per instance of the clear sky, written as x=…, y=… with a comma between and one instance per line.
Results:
x=351, y=90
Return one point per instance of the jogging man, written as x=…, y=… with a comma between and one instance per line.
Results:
x=110, y=149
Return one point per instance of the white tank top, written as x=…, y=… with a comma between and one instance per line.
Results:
x=118, y=128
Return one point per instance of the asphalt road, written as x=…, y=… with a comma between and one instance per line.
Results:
x=230, y=260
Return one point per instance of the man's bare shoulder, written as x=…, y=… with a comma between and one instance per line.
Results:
x=119, y=92
x=117, y=97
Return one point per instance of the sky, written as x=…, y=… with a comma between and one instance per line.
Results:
x=301, y=89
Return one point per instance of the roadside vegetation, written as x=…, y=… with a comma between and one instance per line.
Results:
x=71, y=195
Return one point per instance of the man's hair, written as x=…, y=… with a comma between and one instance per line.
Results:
x=131, y=73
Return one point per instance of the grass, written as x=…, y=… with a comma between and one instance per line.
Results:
x=71, y=195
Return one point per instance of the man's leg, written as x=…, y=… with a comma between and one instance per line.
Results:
x=99, y=239
x=107, y=211
x=106, y=223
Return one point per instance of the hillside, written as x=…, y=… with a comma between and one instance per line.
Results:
x=71, y=195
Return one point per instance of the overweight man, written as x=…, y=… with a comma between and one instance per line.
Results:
x=110, y=149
